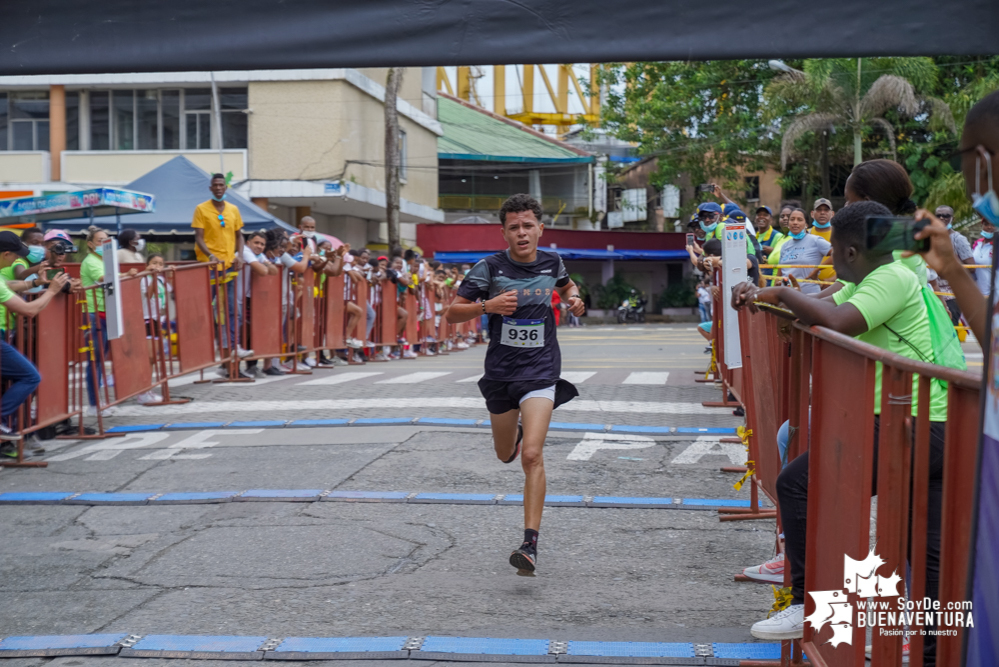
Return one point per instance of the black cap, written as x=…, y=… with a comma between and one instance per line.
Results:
x=11, y=242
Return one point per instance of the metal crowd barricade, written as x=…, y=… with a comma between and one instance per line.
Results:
x=51, y=341
x=839, y=371
x=731, y=378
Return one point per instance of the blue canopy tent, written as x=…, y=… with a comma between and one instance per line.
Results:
x=179, y=186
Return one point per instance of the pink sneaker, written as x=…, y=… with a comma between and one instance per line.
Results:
x=772, y=571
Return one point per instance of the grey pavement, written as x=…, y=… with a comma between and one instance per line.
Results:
x=348, y=569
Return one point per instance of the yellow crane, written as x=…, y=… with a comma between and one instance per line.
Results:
x=559, y=94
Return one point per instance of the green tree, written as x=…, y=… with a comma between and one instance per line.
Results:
x=855, y=94
x=701, y=120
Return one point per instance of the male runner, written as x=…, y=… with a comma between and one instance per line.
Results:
x=521, y=383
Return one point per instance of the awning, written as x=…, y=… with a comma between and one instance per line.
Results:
x=471, y=257
x=81, y=204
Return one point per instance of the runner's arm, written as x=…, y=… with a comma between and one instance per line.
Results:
x=463, y=310
x=569, y=291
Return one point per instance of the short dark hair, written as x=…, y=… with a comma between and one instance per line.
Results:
x=987, y=109
x=409, y=254
x=261, y=234
x=31, y=230
x=885, y=182
x=214, y=176
x=713, y=248
x=850, y=222
x=518, y=204
x=153, y=256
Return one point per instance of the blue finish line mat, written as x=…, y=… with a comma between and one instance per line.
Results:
x=454, y=649
x=320, y=495
x=419, y=421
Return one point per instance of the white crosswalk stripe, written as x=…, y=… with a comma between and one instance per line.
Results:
x=340, y=378
x=643, y=377
x=474, y=378
x=578, y=377
x=413, y=378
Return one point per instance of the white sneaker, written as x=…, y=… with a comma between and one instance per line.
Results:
x=148, y=397
x=106, y=412
x=409, y=354
x=337, y=361
x=354, y=343
x=310, y=362
x=243, y=354
x=461, y=345
x=772, y=571
x=786, y=624
x=428, y=352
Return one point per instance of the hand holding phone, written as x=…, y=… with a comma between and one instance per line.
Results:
x=690, y=239
x=886, y=234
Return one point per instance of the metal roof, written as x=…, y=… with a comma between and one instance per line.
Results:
x=471, y=133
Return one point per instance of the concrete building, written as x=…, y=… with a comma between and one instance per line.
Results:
x=296, y=142
x=484, y=158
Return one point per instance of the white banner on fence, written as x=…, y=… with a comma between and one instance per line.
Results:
x=733, y=272
x=112, y=290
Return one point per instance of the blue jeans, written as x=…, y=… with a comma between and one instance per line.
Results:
x=705, y=312
x=230, y=297
x=100, y=326
x=369, y=322
x=25, y=378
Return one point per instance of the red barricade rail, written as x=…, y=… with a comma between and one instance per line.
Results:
x=840, y=440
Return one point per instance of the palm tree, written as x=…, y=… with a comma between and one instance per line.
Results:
x=854, y=93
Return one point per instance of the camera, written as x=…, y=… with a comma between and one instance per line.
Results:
x=62, y=248
x=393, y=275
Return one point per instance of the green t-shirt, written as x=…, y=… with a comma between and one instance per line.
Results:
x=91, y=272
x=891, y=297
x=774, y=257
x=6, y=292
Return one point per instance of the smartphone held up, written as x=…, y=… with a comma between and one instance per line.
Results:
x=885, y=234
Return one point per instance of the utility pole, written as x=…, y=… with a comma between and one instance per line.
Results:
x=392, y=84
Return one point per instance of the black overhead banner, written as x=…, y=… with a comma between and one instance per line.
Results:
x=79, y=36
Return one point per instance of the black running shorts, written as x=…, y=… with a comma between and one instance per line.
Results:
x=505, y=396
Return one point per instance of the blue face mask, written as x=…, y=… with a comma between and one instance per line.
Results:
x=986, y=205
x=825, y=226
x=708, y=228
x=222, y=198
x=36, y=253
x=987, y=235
x=800, y=235
x=99, y=251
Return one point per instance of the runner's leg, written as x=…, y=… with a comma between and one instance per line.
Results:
x=536, y=416
x=504, y=433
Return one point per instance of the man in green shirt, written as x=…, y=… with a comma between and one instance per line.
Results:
x=14, y=366
x=883, y=307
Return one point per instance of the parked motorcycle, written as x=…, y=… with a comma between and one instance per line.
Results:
x=632, y=309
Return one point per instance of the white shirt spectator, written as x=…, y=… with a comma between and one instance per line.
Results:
x=964, y=255
x=982, y=252
x=162, y=289
x=250, y=258
x=809, y=250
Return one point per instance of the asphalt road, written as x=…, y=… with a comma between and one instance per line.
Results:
x=348, y=569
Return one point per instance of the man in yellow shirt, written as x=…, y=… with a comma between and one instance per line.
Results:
x=217, y=238
x=822, y=214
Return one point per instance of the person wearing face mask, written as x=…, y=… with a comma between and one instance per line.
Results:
x=982, y=251
x=802, y=248
x=979, y=148
x=130, y=247
x=307, y=228
x=92, y=273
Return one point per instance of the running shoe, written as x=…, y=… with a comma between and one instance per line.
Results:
x=242, y=354
x=308, y=361
x=401, y=340
x=524, y=558
x=148, y=397
x=9, y=450
x=516, y=448
x=354, y=343
x=409, y=354
x=273, y=371
x=786, y=624
x=772, y=571
x=106, y=412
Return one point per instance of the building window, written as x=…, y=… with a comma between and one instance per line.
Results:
x=403, y=155
x=166, y=119
x=24, y=121
x=752, y=188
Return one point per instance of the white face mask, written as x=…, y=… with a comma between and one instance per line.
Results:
x=309, y=235
x=987, y=205
x=140, y=245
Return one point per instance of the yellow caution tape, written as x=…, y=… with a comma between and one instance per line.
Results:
x=749, y=473
x=84, y=349
x=782, y=599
